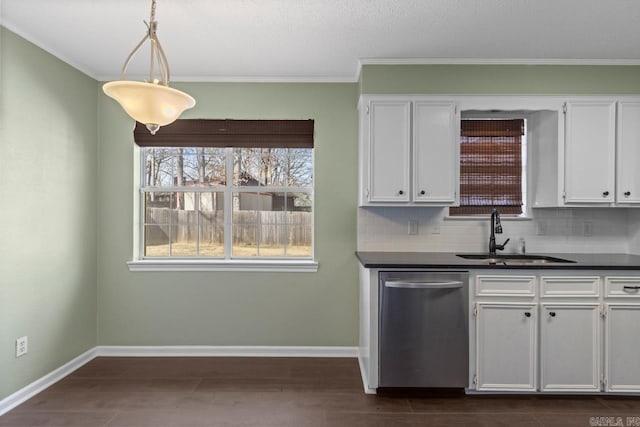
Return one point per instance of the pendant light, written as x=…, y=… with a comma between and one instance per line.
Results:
x=153, y=102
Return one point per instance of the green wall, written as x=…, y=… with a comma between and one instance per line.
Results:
x=48, y=183
x=66, y=183
x=499, y=79
x=237, y=308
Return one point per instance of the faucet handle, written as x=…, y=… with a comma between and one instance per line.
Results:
x=501, y=247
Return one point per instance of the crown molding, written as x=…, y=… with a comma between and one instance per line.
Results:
x=494, y=61
x=33, y=40
x=238, y=79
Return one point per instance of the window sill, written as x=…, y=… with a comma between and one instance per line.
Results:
x=276, y=266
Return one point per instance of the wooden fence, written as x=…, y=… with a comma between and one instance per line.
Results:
x=274, y=228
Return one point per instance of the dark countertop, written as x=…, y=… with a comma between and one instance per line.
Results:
x=450, y=260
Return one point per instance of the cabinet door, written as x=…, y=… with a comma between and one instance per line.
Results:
x=622, y=347
x=570, y=347
x=628, y=173
x=506, y=347
x=389, y=151
x=590, y=152
x=435, y=146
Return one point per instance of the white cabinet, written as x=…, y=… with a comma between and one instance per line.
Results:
x=590, y=137
x=622, y=372
x=389, y=151
x=627, y=172
x=408, y=152
x=570, y=347
x=506, y=347
x=622, y=340
x=435, y=152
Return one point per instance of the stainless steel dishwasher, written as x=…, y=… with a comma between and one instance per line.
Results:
x=423, y=329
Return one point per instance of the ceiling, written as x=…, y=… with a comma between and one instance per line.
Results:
x=325, y=40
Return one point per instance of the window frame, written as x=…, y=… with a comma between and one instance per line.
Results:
x=526, y=163
x=140, y=262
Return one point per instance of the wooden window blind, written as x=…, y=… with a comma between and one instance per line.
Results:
x=229, y=133
x=490, y=167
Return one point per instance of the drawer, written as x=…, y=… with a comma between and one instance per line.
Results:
x=523, y=286
x=622, y=287
x=574, y=286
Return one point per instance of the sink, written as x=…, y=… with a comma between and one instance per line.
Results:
x=516, y=259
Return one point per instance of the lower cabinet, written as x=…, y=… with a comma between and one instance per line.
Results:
x=622, y=348
x=506, y=347
x=561, y=334
x=570, y=347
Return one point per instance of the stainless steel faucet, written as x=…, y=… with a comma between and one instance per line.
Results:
x=496, y=228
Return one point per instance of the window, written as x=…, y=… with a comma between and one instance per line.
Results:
x=227, y=189
x=492, y=162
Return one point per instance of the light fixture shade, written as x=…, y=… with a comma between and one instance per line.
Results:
x=149, y=103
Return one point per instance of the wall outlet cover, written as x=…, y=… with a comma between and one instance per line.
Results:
x=413, y=227
x=22, y=346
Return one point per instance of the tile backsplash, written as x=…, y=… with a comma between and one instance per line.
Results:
x=582, y=230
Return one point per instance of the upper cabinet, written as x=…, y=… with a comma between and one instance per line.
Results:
x=628, y=173
x=436, y=134
x=408, y=152
x=581, y=150
x=597, y=148
x=590, y=131
x=389, y=151
x=602, y=143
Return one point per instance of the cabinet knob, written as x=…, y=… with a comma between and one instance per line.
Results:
x=627, y=193
x=552, y=313
x=401, y=192
x=605, y=193
x=422, y=193
x=526, y=313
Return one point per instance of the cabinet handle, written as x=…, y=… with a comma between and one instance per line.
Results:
x=631, y=288
x=552, y=313
x=627, y=193
x=401, y=192
x=527, y=314
x=605, y=193
x=422, y=193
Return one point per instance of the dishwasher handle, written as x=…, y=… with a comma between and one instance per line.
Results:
x=454, y=284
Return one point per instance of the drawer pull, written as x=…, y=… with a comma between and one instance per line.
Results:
x=631, y=288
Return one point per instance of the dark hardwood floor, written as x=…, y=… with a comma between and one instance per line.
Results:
x=282, y=392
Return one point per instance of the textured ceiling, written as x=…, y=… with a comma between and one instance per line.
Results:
x=325, y=40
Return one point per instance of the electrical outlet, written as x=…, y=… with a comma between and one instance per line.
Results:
x=541, y=228
x=22, y=346
x=587, y=228
x=413, y=227
x=435, y=229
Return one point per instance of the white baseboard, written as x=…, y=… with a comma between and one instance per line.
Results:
x=365, y=378
x=26, y=393
x=227, y=351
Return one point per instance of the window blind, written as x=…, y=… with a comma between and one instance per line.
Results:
x=229, y=133
x=490, y=167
